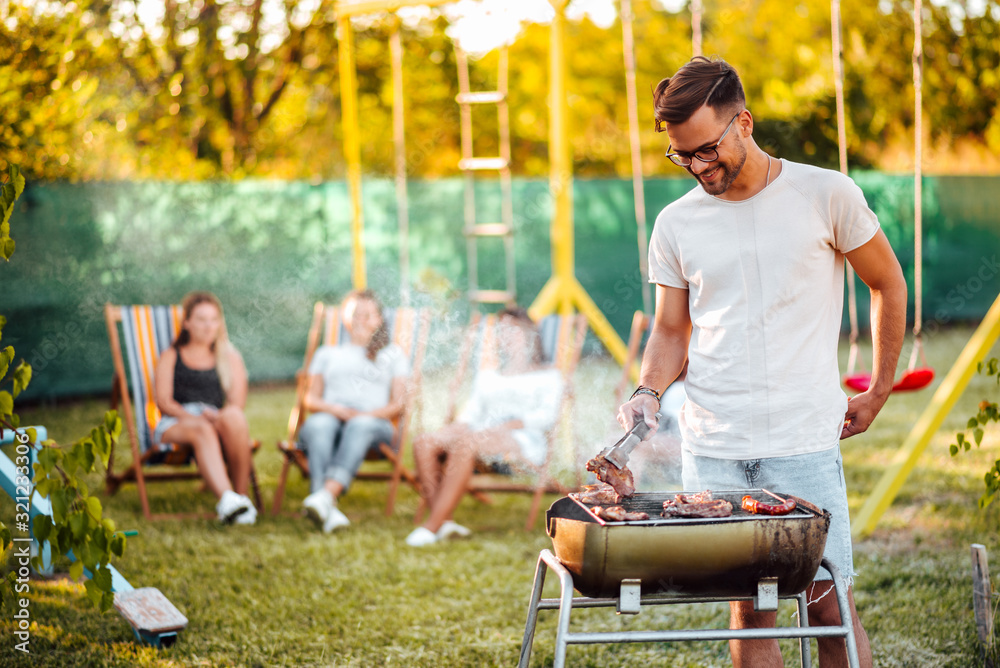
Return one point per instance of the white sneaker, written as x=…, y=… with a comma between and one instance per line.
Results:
x=317, y=506
x=231, y=505
x=420, y=537
x=249, y=517
x=335, y=519
x=449, y=529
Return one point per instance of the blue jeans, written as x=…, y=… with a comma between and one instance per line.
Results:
x=817, y=477
x=336, y=450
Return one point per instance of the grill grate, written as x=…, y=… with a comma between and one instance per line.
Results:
x=652, y=503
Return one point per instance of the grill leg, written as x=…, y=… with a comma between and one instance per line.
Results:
x=565, y=606
x=529, y=626
x=806, y=648
x=845, y=615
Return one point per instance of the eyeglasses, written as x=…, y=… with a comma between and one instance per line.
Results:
x=708, y=154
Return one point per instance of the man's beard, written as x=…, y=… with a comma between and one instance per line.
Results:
x=729, y=173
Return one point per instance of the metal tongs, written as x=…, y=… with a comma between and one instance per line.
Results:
x=618, y=453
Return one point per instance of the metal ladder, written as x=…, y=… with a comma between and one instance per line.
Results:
x=469, y=164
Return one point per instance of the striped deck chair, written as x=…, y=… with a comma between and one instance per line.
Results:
x=408, y=329
x=145, y=332
x=562, y=341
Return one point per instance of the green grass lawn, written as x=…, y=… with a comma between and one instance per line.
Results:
x=281, y=593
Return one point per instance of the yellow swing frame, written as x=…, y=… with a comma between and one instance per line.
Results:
x=562, y=293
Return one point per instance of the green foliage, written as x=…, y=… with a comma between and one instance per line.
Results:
x=93, y=90
x=988, y=412
x=13, y=186
x=77, y=524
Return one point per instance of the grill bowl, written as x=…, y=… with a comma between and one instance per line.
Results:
x=689, y=556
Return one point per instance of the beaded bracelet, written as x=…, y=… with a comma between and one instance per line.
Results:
x=642, y=389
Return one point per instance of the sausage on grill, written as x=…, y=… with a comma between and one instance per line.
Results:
x=752, y=505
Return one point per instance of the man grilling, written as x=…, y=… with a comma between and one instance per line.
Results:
x=749, y=278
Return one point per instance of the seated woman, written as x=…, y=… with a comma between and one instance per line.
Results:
x=505, y=420
x=355, y=389
x=201, y=390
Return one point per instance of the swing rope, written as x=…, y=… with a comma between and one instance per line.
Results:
x=638, y=190
x=855, y=360
x=399, y=151
x=857, y=377
x=918, y=213
x=916, y=377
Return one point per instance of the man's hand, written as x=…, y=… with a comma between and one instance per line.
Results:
x=640, y=407
x=861, y=412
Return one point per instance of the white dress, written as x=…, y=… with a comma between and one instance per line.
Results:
x=533, y=398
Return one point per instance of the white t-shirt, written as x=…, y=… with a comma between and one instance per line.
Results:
x=533, y=398
x=351, y=379
x=766, y=289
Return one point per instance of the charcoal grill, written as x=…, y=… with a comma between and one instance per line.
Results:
x=663, y=561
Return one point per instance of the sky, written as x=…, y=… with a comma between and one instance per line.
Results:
x=482, y=25
x=478, y=26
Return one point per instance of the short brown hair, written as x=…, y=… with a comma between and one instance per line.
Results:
x=700, y=82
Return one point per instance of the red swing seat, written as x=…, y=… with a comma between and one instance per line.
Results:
x=912, y=379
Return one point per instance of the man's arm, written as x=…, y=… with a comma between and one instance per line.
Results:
x=664, y=357
x=877, y=266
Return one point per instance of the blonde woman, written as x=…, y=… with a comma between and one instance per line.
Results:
x=201, y=390
x=355, y=390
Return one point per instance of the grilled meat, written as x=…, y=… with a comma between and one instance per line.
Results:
x=717, y=508
x=600, y=494
x=698, y=497
x=619, y=478
x=619, y=514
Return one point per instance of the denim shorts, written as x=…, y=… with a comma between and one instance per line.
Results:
x=167, y=421
x=817, y=477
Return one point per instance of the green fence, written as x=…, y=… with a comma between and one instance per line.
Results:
x=271, y=249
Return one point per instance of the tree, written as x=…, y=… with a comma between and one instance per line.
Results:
x=211, y=75
x=206, y=89
x=52, y=109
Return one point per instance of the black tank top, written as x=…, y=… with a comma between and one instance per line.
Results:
x=197, y=385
